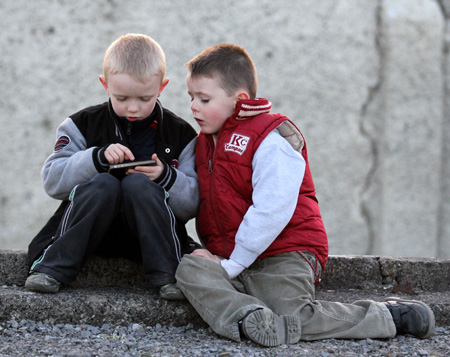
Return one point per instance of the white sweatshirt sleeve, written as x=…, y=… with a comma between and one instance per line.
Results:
x=278, y=172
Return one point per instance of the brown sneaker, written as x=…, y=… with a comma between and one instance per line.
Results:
x=266, y=328
x=411, y=317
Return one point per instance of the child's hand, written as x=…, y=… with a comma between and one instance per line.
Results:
x=118, y=153
x=152, y=172
x=206, y=254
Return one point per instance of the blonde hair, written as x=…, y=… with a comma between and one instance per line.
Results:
x=137, y=55
x=231, y=63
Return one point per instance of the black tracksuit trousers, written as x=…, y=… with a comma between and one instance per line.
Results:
x=130, y=218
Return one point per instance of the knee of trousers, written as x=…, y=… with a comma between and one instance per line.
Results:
x=103, y=187
x=193, y=268
x=183, y=273
x=138, y=185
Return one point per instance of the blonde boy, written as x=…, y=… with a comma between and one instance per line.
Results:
x=139, y=215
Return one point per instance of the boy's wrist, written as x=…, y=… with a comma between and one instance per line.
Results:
x=232, y=268
x=167, y=177
x=99, y=158
x=160, y=178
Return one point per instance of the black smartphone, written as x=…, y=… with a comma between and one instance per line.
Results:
x=119, y=170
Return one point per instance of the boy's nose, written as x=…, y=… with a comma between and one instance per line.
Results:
x=133, y=107
x=193, y=107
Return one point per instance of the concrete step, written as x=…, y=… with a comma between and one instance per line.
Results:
x=114, y=291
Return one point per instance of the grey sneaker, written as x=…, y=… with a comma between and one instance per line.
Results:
x=411, y=317
x=268, y=329
x=171, y=292
x=42, y=282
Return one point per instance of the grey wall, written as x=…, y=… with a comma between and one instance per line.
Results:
x=367, y=82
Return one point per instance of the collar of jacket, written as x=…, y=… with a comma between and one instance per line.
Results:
x=249, y=108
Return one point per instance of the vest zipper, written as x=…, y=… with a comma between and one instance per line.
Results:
x=211, y=197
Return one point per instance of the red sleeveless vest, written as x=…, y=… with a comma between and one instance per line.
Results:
x=225, y=179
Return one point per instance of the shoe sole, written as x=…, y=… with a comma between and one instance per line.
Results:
x=41, y=289
x=172, y=297
x=431, y=327
x=268, y=329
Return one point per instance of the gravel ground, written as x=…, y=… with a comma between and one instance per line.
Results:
x=30, y=338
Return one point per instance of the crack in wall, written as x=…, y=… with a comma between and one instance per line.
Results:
x=443, y=7
x=445, y=148
x=369, y=129
x=366, y=133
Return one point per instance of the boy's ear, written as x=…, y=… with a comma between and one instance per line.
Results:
x=103, y=81
x=163, y=85
x=242, y=95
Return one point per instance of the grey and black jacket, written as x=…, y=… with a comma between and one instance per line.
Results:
x=75, y=160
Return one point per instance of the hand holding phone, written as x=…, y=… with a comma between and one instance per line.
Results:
x=151, y=171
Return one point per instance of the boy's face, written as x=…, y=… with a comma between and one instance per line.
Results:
x=211, y=105
x=130, y=98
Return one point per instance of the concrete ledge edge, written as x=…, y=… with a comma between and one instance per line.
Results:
x=114, y=290
x=407, y=275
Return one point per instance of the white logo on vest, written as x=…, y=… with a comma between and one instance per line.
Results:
x=237, y=144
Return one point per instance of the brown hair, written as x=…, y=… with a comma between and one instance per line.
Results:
x=231, y=63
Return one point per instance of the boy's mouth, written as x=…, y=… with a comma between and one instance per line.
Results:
x=132, y=118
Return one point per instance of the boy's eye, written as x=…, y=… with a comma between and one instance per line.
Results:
x=121, y=99
x=146, y=99
x=205, y=100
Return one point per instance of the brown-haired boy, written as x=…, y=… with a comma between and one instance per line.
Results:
x=260, y=222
